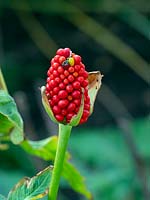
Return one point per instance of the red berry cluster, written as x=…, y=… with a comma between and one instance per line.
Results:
x=64, y=86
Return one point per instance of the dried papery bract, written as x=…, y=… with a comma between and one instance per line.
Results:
x=94, y=84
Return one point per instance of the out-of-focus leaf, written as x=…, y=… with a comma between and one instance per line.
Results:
x=76, y=181
x=3, y=147
x=45, y=148
x=136, y=20
x=2, y=197
x=110, y=172
x=10, y=119
x=94, y=79
x=141, y=130
x=109, y=40
x=32, y=188
x=8, y=178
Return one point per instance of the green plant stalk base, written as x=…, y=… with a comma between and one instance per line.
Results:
x=64, y=134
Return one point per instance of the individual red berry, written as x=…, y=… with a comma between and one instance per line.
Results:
x=48, y=72
x=77, y=68
x=67, y=52
x=47, y=87
x=64, y=112
x=85, y=113
x=77, y=102
x=87, y=99
x=48, y=95
x=85, y=74
x=62, y=94
x=56, y=90
x=82, y=65
x=55, y=65
x=76, y=94
x=52, y=61
x=48, y=79
x=63, y=103
x=76, y=85
x=71, y=107
x=55, y=73
x=62, y=76
x=52, y=84
x=51, y=76
x=77, y=59
x=80, y=79
x=69, y=88
x=60, y=52
x=70, y=78
x=62, y=59
x=85, y=83
x=66, y=81
x=81, y=72
x=51, y=102
x=56, y=109
x=62, y=86
x=66, y=73
x=56, y=58
x=55, y=99
x=60, y=70
x=69, y=116
x=71, y=69
x=51, y=70
x=87, y=106
x=57, y=80
x=59, y=117
x=82, y=120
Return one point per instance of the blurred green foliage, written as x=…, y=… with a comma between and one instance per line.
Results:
x=102, y=157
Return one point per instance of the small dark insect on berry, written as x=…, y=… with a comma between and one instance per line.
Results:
x=65, y=63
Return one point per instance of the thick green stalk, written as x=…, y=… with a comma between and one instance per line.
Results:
x=64, y=134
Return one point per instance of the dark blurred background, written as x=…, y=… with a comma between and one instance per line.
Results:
x=112, y=150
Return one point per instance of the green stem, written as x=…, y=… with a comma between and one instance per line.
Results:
x=64, y=134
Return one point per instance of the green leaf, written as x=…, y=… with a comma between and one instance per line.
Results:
x=45, y=148
x=2, y=197
x=3, y=147
x=31, y=188
x=76, y=181
x=10, y=119
x=94, y=79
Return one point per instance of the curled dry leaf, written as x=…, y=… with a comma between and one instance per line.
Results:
x=94, y=79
